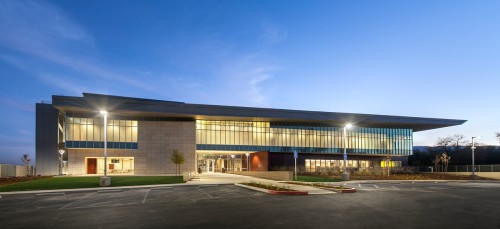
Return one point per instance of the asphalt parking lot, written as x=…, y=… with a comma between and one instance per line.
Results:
x=375, y=205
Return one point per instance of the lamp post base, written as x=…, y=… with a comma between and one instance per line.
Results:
x=345, y=176
x=105, y=181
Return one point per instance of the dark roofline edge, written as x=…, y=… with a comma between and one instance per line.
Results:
x=460, y=121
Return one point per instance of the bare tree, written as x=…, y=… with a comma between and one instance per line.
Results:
x=26, y=160
x=445, y=159
x=458, y=140
x=497, y=134
x=444, y=142
x=436, y=161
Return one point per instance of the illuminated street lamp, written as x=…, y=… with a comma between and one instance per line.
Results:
x=105, y=180
x=473, y=148
x=61, y=151
x=345, y=174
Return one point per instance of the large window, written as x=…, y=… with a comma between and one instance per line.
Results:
x=87, y=132
x=319, y=165
x=304, y=137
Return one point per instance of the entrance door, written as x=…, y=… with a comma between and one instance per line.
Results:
x=91, y=165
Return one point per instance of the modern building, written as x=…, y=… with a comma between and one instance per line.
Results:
x=142, y=133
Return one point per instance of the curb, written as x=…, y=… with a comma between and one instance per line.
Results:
x=272, y=191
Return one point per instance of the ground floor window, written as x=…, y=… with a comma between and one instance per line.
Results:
x=385, y=164
x=313, y=165
x=115, y=165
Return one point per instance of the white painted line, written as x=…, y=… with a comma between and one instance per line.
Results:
x=65, y=206
x=164, y=188
x=112, y=190
x=359, y=184
x=393, y=187
x=345, y=184
x=146, y=196
x=206, y=193
x=51, y=194
x=375, y=186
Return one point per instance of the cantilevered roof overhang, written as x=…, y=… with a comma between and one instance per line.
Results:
x=90, y=103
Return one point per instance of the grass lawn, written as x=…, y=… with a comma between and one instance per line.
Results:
x=88, y=182
x=316, y=179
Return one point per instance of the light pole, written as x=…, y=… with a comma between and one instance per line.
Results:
x=105, y=180
x=61, y=151
x=248, y=163
x=345, y=174
x=473, y=148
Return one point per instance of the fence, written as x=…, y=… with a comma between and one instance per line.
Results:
x=454, y=168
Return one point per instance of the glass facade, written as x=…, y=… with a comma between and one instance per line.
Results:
x=304, y=137
x=88, y=132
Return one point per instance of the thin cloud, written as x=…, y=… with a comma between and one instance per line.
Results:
x=272, y=34
x=41, y=30
x=18, y=104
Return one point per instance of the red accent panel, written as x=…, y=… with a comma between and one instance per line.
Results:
x=259, y=161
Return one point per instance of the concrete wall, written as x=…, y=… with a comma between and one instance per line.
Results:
x=156, y=141
x=7, y=170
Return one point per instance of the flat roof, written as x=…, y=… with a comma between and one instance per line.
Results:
x=90, y=103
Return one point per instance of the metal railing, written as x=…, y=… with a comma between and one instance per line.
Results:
x=454, y=168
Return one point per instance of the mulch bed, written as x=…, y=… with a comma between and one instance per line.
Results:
x=12, y=180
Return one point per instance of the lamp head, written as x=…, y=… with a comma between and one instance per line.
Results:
x=478, y=137
x=61, y=151
x=104, y=112
x=348, y=125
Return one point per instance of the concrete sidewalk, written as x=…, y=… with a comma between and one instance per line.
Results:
x=224, y=178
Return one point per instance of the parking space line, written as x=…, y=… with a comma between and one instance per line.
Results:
x=163, y=188
x=359, y=184
x=67, y=205
x=206, y=193
x=109, y=191
x=145, y=196
x=375, y=186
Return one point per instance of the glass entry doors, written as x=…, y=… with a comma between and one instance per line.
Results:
x=221, y=163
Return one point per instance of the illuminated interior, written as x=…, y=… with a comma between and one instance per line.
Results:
x=116, y=165
x=89, y=133
x=286, y=137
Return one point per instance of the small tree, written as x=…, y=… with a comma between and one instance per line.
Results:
x=497, y=134
x=445, y=159
x=436, y=162
x=26, y=160
x=178, y=159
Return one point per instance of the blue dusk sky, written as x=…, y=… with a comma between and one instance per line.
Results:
x=437, y=59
